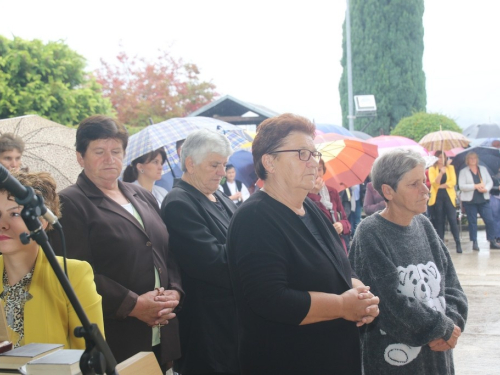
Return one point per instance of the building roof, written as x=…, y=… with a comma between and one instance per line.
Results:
x=235, y=111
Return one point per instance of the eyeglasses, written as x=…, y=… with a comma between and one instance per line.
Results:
x=304, y=154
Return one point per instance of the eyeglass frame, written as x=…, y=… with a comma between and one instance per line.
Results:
x=316, y=154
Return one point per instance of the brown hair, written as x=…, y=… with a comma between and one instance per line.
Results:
x=99, y=127
x=437, y=154
x=130, y=174
x=322, y=165
x=271, y=135
x=9, y=142
x=43, y=184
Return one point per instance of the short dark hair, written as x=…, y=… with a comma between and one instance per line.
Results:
x=9, y=142
x=178, y=145
x=130, y=174
x=99, y=127
x=229, y=166
x=271, y=135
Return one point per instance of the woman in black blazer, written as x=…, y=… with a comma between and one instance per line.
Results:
x=299, y=303
x=197, y=216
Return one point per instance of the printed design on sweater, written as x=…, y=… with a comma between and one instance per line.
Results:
x=423, y=283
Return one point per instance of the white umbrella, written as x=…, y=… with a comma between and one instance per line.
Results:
x=49, y=147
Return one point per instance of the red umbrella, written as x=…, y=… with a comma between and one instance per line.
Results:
x=348, y=160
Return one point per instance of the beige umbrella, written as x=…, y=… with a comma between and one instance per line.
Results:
x=444, y=140
x=50, y=147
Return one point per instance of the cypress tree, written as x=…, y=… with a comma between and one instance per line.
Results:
x=387, y=44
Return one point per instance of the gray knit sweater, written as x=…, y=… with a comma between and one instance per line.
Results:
x=410, y=269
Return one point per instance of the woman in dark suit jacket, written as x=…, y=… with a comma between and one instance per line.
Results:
x=197, y=216
x=299, y=303
x=116, y=227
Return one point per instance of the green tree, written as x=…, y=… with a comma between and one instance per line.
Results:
x=420, y=124
x=48, y=80
x=387, y=48
x=159, y=89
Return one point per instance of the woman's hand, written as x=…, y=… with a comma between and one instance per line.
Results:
x=163, y=296
x=338, y=227
x=235, y=196
x=480, y=187
x=440, y=345
x=153, y=311
x=359, y=305
x=318, y=185
x=453, y=340
x=442, y=170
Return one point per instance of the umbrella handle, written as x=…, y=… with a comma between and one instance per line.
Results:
x=173, y=173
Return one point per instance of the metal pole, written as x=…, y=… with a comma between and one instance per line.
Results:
x=350, y=99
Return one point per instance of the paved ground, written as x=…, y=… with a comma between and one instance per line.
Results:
x=478, y=349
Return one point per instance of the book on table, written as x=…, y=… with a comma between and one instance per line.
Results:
x=10, y=372
x=15, y=358
x=62, y=362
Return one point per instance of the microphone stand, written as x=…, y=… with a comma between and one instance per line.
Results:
x=97, y=357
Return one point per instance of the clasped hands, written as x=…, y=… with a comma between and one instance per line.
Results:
x=480, y=187
x=155, y=308
x=440, y=345
x=360, y=305
x=236, y=196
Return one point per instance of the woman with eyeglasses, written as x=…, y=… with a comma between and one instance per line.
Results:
x=299, y=303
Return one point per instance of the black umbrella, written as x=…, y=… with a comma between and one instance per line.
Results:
x=488, y=156
x=482, y=131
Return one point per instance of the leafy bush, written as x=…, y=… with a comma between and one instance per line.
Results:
x=420, y=124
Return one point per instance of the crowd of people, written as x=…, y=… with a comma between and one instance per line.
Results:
x=295, y=278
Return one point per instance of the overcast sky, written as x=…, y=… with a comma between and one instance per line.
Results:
x=284, y=55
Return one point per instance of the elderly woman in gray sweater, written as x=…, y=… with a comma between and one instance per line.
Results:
x=423, y=308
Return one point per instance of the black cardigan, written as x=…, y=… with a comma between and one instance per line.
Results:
x=274, y=260
x=207, y=320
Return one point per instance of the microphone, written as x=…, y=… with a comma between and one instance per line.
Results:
x=21, y=193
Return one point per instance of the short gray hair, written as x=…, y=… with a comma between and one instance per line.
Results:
x=390, y=168
x=202, y=142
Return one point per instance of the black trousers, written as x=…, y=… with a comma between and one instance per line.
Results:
x=443, y=208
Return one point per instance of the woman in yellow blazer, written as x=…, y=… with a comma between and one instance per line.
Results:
x=35, y=305
x=443, y=196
